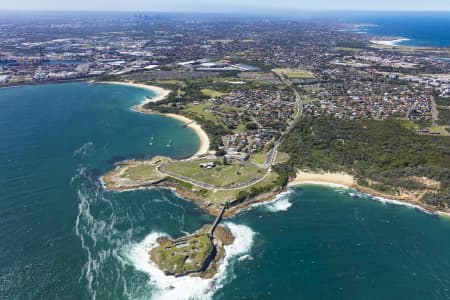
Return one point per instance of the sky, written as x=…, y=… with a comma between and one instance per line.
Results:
x=242, y=6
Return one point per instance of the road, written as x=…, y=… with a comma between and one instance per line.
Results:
x=208, y=186
x=271, y=155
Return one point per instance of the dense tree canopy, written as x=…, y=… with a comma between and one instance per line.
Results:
x=376, y=151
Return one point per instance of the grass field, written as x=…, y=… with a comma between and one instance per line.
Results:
x=348, y=49
x=259, y=158
x=200, y=110
x=222, y=196
x=240, y=129
x=184, y=257
x=142, y=172
x=212, y=93
x=295, y=73
x=221, y=175
x=306, y=99
x=170, y=81
x=414, y=126
x=408, y=124
x=440, y=129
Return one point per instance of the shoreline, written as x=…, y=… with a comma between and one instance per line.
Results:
x=204, y=139
x=391, y=43
x=162, y=94
x=62, y=81
x=346, y=181
x=333, y=180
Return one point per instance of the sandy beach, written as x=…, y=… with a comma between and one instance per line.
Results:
x=161, y=94
x=204, y=139
x=331, y=179
x=336, y=180
x=344, y=180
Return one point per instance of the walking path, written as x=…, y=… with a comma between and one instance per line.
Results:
x=217, y=221
x=208, y=186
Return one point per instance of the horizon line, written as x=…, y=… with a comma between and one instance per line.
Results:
x=228, y=11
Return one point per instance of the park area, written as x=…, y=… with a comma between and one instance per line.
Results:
x=221, y=175
x=295, y=73
x=144, y=171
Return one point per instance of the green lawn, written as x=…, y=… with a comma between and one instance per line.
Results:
x=306, y=100
x=184, y=257
x=211, y=93
x=259, y=158
x=170, y=81
x=200, y=110
x=142, y=172
x=223, y=196
x=408, y=124
x=348, y=49
x=295, y=73
x=221, y=175
x=440, y=129
x=240, y=129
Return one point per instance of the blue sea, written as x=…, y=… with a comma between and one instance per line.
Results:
x=63, y=237
x=419, y=28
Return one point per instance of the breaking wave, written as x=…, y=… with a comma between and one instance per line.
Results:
x=280, y=203
x=171, y=287
x=115, y=265
x=355, y=194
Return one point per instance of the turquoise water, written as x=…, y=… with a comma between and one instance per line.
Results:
x=63, y=237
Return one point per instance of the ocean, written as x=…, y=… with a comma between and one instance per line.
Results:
x=428, y=29
x=64, y=237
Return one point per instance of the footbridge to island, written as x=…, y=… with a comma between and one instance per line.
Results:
x=217, y=221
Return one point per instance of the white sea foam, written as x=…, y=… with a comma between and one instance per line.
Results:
x=395, y=42
x=354, y=193
x=321, y=183
x=400, y=203
x=84, y=149
x=243, y=242
x=95, y=233
x=245, y=257
x=170, y=287
x=279, y=203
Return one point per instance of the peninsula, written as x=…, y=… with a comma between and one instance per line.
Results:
x=245, y=157
x=276, y=127
x=236, y=169
x=278, y=103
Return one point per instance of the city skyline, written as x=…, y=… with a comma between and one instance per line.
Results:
x=228, y=6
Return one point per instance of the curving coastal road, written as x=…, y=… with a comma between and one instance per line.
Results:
x=238, y=186
x=271, y=155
